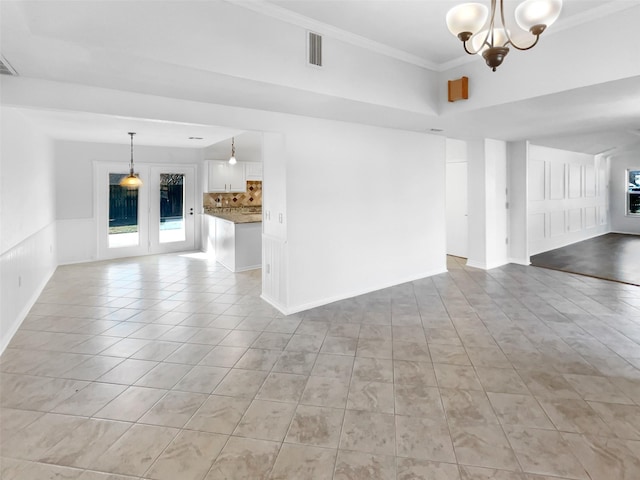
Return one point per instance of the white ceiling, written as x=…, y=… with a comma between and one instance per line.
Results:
x=417, y=27
x=91, y=127
x=145, y=44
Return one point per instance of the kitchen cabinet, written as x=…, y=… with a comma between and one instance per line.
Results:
x=253, y=170
x=224, y=177
x=236, y=246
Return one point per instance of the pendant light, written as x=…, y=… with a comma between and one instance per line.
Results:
x=232, y=160
x=132, y=180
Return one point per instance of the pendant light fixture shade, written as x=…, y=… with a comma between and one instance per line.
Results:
x=467, y=18
x=132, y=180
x=534, y=13
x=232, y=159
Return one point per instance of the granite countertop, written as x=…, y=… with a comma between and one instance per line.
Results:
x=237, y=217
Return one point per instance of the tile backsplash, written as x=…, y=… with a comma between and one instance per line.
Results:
x=251, y=198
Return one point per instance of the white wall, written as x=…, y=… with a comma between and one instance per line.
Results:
x=391, y=207
x=76, y=226
x=27, y=218
x=518, y=154
x=567, y=198
x=275, y=284
x=365, y=207
x=487, y=182
x=620, y=222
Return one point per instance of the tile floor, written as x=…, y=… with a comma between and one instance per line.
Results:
x=169, y=367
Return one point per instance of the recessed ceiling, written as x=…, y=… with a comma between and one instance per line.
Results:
x=91, y=127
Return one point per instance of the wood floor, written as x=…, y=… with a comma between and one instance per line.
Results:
x=613, y=256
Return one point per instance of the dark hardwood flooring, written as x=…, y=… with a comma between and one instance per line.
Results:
x=613, y=256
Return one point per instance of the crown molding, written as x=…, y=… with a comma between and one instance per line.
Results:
x=593, y=14
x=322, y=28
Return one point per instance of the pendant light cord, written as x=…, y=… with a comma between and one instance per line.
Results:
x=131, y=166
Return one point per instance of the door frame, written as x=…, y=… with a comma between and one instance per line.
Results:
x=189, y=209
x=101, y=208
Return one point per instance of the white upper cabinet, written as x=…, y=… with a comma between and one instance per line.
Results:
x=253, y=170
x=224, y=177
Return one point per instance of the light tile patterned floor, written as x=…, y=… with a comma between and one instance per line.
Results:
x=171, y=368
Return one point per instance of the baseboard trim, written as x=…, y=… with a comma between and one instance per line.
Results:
x=325, y=301
x=281, y=308
x=25, y=310
x=486, y=266
x=246, y=269
x=519, y=261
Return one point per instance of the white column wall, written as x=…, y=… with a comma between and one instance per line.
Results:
x=567, y=199
x=620, y=221
x=27, y=218
x=518, y=153
x=487, y=203
x=366, y=210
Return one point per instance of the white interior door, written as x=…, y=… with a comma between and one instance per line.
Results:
x=158, y=217
x=457, y=208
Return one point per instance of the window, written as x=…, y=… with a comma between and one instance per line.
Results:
x=633, y=201
x=123, y=213
x=172, y=205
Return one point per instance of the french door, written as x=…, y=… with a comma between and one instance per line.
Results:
x=158, y=217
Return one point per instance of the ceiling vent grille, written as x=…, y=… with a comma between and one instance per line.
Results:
x=6, y=68
x=315, y=49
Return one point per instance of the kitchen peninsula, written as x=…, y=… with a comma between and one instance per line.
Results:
x=234, y=235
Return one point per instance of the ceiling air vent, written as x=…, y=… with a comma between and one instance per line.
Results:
x=6, y=68
x=315, y=49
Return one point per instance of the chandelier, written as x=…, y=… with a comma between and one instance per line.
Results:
x=468, y=22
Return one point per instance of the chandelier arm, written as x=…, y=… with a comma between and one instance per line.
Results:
x=464, y=45
x=492, y=24
x=489, y=33
x=506, y=32
x=525, y=48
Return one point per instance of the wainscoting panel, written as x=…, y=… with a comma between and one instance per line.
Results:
x=567, y=198
x=556, y=180
x=575, y=180
x=590, y=217
x=557, y=224
x=24, y=271
x=537, y=227
x=274, y=280
x=590, y=181
x=537, y=180
x=575, y=220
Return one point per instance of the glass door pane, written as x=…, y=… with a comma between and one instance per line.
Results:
x=172, y=208
x=123, y=214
